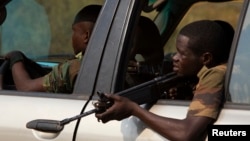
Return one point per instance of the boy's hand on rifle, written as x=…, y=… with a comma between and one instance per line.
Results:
x=122, y=108
x=103, y=103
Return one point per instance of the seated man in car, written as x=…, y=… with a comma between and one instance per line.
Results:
x=202, y=50
x=62, y=77
x=146, y=55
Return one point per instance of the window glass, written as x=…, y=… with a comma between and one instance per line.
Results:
x=40, y=28
x=227, y=11
x=240, y=79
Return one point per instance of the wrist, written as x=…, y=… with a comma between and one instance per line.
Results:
x=134, y=109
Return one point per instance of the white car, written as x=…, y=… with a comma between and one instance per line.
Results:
x=42, y=30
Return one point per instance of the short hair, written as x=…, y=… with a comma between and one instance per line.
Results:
x=210, y=36
x=88, y=13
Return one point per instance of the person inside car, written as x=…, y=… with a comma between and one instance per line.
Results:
x=146, y=55
x=202, y=49
x=29, y=76
x=62, y=77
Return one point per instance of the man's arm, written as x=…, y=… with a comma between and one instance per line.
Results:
x=191, y=128
x=23, y=81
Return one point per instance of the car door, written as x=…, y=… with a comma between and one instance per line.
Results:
x=236, y=109
x=99, y=71
x=37, y=29
x=132, y=128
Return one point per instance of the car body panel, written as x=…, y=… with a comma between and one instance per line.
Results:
x=14, y=121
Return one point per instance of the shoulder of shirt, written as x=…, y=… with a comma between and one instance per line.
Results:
x=71, y=61
x=218, y=69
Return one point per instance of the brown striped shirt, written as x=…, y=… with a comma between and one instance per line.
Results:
x=208, y=95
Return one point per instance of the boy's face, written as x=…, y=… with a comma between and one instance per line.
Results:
x=185, y=62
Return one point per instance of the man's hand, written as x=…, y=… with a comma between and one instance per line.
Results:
x=15, y=56
x=122, y=108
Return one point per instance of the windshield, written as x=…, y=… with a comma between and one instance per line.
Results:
x=41, y=29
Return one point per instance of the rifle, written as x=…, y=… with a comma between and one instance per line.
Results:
x=147, y=92
x=150, y=91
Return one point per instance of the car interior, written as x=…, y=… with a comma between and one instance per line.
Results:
x=163, y=18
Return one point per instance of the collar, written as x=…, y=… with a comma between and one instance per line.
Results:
x=79, y=55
